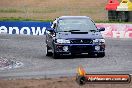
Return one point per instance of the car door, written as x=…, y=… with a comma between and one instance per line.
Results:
x=51, y=36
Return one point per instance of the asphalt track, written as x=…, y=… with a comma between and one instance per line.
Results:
x=30, y=50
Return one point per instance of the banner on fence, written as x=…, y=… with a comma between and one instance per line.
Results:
x=112, y=30
x=27, y=28
x=116, y=30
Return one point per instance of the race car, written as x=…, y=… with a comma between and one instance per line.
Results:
x=71, y=35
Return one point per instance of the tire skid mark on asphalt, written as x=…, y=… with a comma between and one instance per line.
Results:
x=9, y=64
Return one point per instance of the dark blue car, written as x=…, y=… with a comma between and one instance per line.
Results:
x=71, y=35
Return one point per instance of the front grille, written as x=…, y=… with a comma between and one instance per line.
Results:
x=81, y=49
x=82, y=41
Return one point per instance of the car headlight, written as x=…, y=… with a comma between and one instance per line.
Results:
x=97, y=48
x=62, y=41
x=98, y=41
x=102, y=40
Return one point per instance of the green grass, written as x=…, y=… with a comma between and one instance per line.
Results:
x=13, y=10
x=10, y=10
x=21, y=19
x=46, y=10
x=49, y=20
x=30, y=10
x=41, y=10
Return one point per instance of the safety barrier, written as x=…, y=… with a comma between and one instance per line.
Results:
x=113, y=30
x=119, y=12
x=125, y=5
x=23, y=27
x=38, y=28
x=112, y=5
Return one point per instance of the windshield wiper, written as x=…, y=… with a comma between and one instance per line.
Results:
x=73, y=30
x=92, y=30
x=70, y=30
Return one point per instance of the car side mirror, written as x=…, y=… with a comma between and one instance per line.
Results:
x=102, y=29
x=50, y=29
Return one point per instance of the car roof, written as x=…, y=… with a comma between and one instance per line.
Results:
x=70, y=17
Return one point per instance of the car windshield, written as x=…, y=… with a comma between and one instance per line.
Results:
x=70, y=25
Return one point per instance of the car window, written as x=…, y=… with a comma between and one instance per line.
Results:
x=76, y=24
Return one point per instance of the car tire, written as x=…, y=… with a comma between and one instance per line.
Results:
x=101, y=54
x=47, y=51
x=81, y=80
x=56, y=55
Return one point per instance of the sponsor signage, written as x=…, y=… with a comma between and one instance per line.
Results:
x=24, y=27
x=112, y=30
x=83, y=78
x=116, y=30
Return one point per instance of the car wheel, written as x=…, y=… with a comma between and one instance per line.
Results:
x=101, y=54
x=56, y=55
x=47, y=51
x=81, y=80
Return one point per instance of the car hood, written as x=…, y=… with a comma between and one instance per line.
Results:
x=83, y=35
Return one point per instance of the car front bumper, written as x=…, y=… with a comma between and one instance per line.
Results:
x=79, y=48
